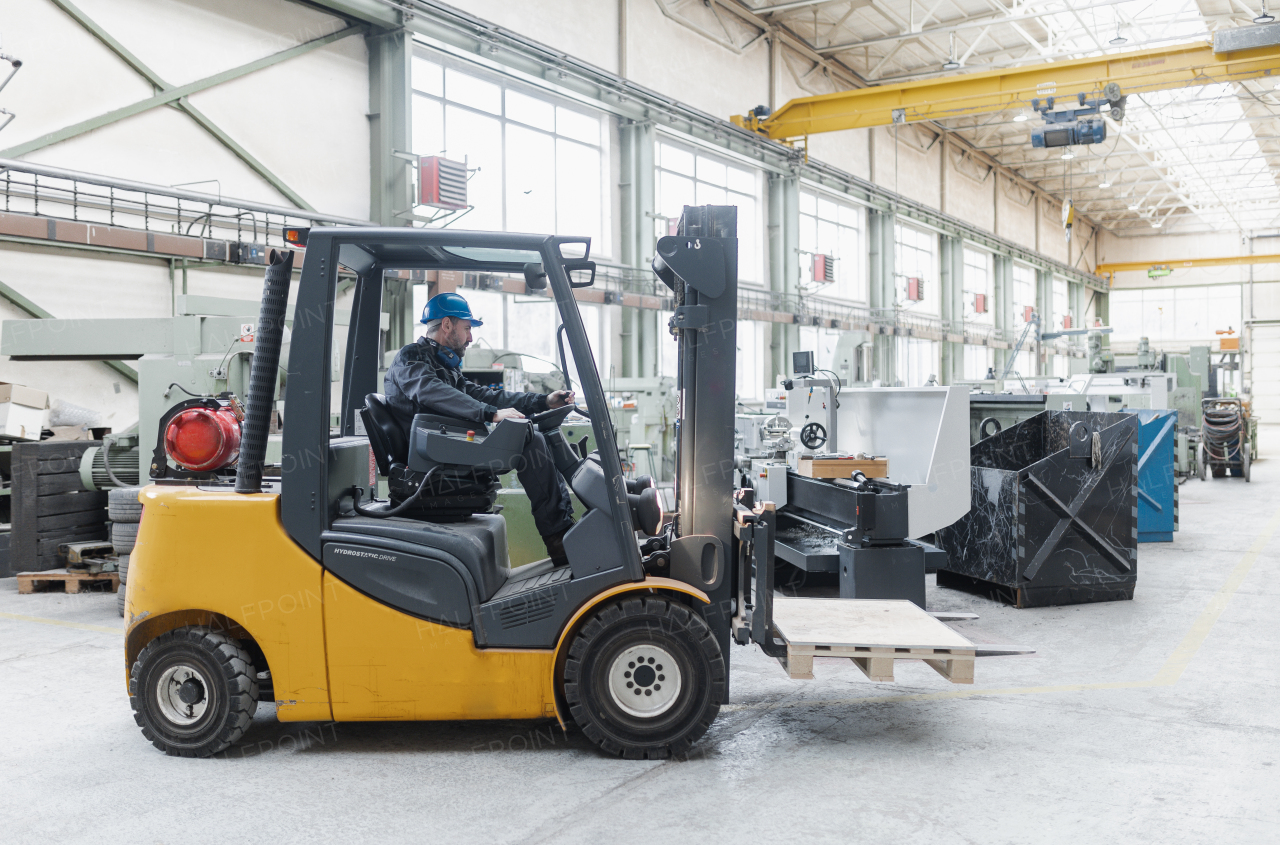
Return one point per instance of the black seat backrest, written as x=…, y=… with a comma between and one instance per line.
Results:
x=386, y=437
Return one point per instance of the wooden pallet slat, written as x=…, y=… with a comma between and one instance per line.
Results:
x=872, y=634
x=72, y=582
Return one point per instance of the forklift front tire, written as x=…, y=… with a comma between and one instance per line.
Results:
x=644, y=678
x=193, y=692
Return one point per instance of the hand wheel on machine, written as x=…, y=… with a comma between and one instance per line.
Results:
x=813, y=435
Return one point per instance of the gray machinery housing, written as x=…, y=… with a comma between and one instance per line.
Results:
x=865, y=531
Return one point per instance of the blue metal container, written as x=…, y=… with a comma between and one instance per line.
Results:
x=1157, y=487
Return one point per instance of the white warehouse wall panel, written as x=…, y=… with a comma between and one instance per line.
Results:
x=303, y=118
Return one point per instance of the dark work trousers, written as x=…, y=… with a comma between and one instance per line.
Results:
x=548, y=495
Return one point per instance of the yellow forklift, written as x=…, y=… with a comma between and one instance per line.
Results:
x=291, y=583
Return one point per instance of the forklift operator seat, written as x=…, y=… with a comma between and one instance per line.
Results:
x=454, y=491
x=386, y=437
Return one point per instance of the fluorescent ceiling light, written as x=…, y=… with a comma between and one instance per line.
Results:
x=1068, y=154
x=1021, y=116
x=1105, y=183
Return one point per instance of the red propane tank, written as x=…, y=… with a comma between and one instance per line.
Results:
x=203, y=439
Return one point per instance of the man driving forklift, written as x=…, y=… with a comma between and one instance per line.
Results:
x=426, y=378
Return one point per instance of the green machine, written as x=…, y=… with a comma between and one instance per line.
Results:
x=205, y=349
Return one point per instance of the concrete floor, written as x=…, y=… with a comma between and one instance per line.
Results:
x=1146, y=721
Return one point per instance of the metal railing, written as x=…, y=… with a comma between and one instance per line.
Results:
x=89, y=198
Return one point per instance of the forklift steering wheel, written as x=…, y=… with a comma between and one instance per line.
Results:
x=813, y=435
x=548, y=420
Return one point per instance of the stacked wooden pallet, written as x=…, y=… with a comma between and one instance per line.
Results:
x=50, y=505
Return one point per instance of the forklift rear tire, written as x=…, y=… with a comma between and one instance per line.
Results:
x=644, y=678
x=193, y=692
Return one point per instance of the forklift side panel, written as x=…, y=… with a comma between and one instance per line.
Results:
x=184, y=562
x=387, y=665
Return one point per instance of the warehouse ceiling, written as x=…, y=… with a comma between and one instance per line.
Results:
x=1188, y=160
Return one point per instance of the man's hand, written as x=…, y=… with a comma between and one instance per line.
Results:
x=507, y=414
x=560, y=398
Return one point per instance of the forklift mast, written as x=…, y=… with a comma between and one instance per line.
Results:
x=700, y=265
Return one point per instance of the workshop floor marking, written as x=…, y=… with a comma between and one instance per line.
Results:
x=83, y=626
x=1168, y=675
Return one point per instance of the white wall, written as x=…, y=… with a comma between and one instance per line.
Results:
x=304, y=118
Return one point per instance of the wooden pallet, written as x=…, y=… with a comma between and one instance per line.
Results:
x=843, y=467
x=73, y=582
x=873, y=634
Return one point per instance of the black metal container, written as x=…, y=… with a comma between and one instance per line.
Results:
x=1054, y=512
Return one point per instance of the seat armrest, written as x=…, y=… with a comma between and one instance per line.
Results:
x=452, y=425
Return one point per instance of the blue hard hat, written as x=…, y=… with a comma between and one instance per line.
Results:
x=448, y=305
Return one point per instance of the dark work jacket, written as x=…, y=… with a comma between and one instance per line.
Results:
x=417, y=383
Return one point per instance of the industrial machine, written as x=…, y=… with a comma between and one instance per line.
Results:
x=304, y=590
x=991, y=413
x=858, y=476
x=203, y=352
x=643, y=411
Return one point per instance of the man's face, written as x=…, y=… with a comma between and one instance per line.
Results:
x=455, y=334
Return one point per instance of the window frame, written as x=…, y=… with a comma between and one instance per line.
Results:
x=602, y=245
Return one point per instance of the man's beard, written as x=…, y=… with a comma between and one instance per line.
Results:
x=458, y=345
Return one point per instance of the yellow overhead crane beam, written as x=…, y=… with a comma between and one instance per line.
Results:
x=996, y=90
x=1110, y=269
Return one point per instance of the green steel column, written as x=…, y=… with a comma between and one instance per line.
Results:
x=639, y=353
x=951, y=291
x=1044, y=307
x=882, y=241
x=784, y=270
x=1001, y=304
x=390, y=119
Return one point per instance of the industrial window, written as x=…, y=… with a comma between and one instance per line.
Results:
x=822, y=342
x=693, y=177
x=977, y=287
x=1022, y=296
x=1177, y=315
x=916, y=270
x=831, y=230
x=752, y=342
x=535, y=164
x=917, y=361
x=1061, y=303
x=977, y=361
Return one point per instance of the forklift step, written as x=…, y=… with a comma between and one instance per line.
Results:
x=871, y=633
x=72, y=582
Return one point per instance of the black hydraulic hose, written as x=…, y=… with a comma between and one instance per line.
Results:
x=263, y=376
x=357, y=492
x=1222, y=429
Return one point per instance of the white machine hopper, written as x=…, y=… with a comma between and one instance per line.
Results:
x=924, y=432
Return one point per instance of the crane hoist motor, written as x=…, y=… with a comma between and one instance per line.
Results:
x=1081, y=125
